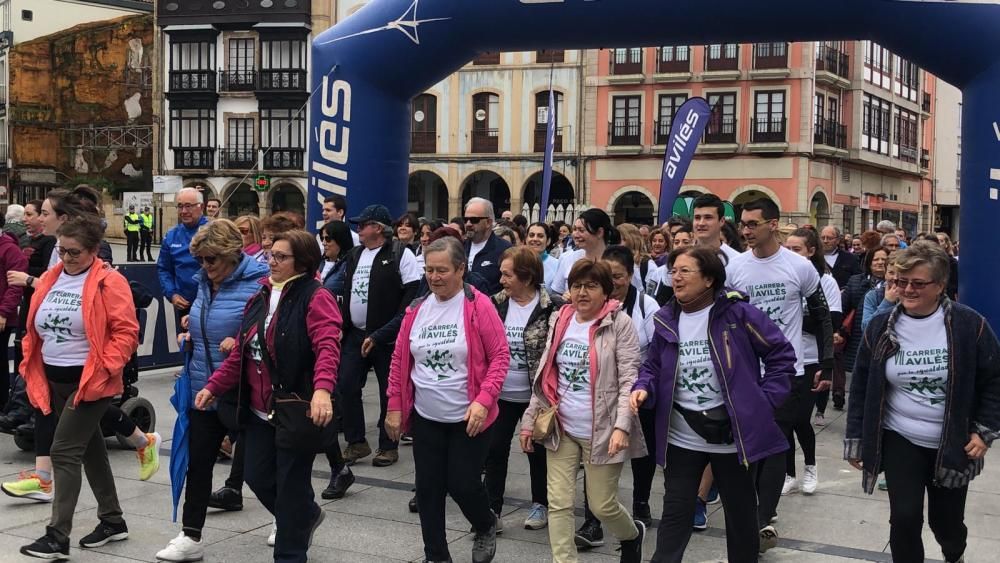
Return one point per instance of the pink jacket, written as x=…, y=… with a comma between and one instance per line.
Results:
x=489, y=357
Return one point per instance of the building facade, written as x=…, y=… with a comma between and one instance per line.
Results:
x=33, y=104
x=834, y=133
x=234, y=109
x=946, y=159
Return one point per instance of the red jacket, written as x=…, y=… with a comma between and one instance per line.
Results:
x=12, y=259
x=112, y=332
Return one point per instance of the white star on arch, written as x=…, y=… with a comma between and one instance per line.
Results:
x=407, y=24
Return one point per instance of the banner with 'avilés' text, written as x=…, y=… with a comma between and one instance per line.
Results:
x=685, y=131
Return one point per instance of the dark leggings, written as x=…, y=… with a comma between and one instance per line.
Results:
x=45, y=427
x=801, y=426
x=235, y=479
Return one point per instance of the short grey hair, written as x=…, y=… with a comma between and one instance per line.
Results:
x=197, y=192
x=885, y=225
x=836, y=230
x=924, y=253
x=455, y=250
x=888, y=236
x=487, y=204
x=15, y=213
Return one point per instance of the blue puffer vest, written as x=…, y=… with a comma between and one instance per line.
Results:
x=215, y=318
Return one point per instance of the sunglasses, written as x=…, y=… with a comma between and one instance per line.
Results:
x=474, y=220
x=210, y=260
x=73, y=252
x=328, y=239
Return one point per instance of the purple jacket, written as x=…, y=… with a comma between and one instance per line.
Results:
x=740, y=336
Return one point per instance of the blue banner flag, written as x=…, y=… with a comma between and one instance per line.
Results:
x=550, y=146
x=685, y=131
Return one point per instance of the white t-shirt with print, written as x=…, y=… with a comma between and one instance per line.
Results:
x=409, y=271
x=697, y=387
x=918, y=380
x=729, y=252
x=576, y=404
x=810, y=349
x=59, y=322
x=643, y=323
x=656, y=279
x=440, y=359
x=517, y=386
x=474, y=249
x=258, y=340
x=566, y=261
x=777, y=286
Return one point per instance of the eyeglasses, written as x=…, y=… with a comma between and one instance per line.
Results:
x=279, y=257
x=474, y=220
x=187, y=206
x=327, y=239
x=752, y=225
x=589, y=286
x=210, y=260
x=682, y=272
x=917, y=285
x=73, y=252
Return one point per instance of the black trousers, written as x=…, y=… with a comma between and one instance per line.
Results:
x=448, y=462
x=801, y=425
x=909, y=472
x=45, y=427
x=643, y=468
x=146, y=245
x=282, y=481
x=351, y=381
x=503, y=430
x=132, y=244
x=205, y=433
x=235, y=480
x=682, y=477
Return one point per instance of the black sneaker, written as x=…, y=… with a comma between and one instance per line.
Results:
x=105, y=532
x=589, y=535
x=632, y=549
x=641, y=512
x=413, y=505
x=226, y=499
x=339, y=484
x=484, y=545
x=47, y=547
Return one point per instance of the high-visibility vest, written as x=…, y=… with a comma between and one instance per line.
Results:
x=132, y=223
x=147, y=221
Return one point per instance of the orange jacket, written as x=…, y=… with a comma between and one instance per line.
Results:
x=112, y=332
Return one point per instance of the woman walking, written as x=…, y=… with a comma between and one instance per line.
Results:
x=227, y=280
x=337, y=242
x=249, y=227
x=82, y=330
x=289, y=341
x=924, y=405
x=524, y=306
x=588, y=367
x=448, y=370
x=541, y=241
x=713, y=406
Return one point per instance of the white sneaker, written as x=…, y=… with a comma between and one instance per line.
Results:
x=809, y=480
x=538, y=517
x=274, y=533
x=182, y=548
x=791, y=485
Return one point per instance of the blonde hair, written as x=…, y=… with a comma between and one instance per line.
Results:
x=219, y=238
x=634, y=241
x=253, y=223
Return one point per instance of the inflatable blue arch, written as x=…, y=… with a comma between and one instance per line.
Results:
x=367, y=68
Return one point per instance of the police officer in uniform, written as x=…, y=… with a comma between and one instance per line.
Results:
x=146, y=234
x=132, y=223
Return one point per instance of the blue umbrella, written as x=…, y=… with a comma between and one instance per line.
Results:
x=181, y=400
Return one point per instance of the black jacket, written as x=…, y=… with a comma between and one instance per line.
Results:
x=487, y=264
x=972, y=402
x=844, y=267
x=385, y=313
x=852, y=298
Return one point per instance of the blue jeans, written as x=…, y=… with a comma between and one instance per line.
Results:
x=282, y=480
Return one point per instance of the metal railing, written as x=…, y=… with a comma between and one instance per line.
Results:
x=768, y=130
x=192, y=81
x=486, y=140
x=284, y=159
x=423, y=142
x=925, y=102
x=728, y=58
x=541, y=131
x=237, y=80
x=627, y=64
x=661, y=130
x=831, y=60
x=721, y=130
x=288, y=79
x=244, y=158
x=625, y=132
x=770, y=55
x=185, y=158
x=831, y=134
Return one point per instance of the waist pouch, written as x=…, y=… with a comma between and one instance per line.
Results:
x=713, y=425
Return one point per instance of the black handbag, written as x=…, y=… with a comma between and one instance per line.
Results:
x=713, y=424
x=289, y=411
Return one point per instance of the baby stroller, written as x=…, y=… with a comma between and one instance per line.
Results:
x=137, y=408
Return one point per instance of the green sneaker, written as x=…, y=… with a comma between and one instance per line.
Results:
x=149, y=456
x=30, y=486
x=882, y=485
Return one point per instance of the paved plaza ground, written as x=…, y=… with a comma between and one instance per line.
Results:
x=372, y=524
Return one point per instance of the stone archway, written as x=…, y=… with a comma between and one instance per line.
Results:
x=241, y=199
x=634, y=206
x=288, y=197
x=561, y=194
x=819, y=210
x=427, y=195
x=490, y=185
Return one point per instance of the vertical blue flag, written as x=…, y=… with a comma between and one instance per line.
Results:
x=550, y=146
x=685, y=131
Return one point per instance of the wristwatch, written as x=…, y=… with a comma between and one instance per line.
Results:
x=30, y=282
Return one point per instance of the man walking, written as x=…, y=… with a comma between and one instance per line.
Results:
x=146, y=235
x=132, y=226
x=482, y=246
x=382, y=276
x=176, y=266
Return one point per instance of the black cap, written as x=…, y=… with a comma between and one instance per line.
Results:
x=375, y=212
